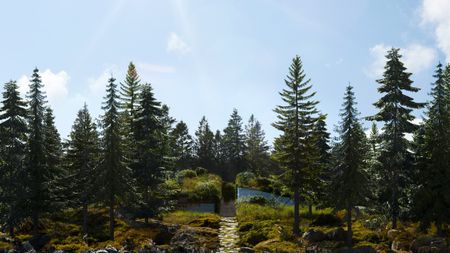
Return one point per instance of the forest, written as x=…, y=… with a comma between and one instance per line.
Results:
x=120, y=179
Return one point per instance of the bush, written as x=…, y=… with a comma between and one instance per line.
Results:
x=207, y=191
x=257, y=200
x=228, y=191
x=246, y=179
x=201, y=171
x=328, y=220
x=186, y=174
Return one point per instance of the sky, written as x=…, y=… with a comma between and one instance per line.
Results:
x=204, y=58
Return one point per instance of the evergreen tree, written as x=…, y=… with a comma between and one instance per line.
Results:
x=204, y=145
x=218, y=153
x=256, y=154
x=166, y=126
x=296, y=118
x=234, y=146
x=321, y=138
x=13, y=130
x=52, y=145
x=349, y=186
x=431, y=202
x=38, y=173
x=150, y=161
x=181, y=146
x=82, y=155
x=129, y=102
x=114, y=175
x=395, y=111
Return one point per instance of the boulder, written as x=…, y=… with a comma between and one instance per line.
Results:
x=429, y=244
x=39, y=241
x=317, y=249
x=195, y=238
x=111, y=249
x=246, y=250
x=392, y=234
x=338, y=234
x=361, y=249
x=314, y=236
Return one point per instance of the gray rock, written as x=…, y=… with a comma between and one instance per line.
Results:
x=314, y=236
x=111, y=249
x=338, y=234
x=429, y=244
x=246, y=250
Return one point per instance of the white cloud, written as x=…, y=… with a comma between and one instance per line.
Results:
x=97, y=85
x=416, y=58
x=436, y=13
x=378, y=53
x=55, y=84
x=177, y=45
x=147, y=67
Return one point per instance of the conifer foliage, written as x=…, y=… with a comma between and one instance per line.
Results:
x=296, y=118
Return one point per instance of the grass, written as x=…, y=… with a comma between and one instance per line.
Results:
x=189, y=218
x=267, y=227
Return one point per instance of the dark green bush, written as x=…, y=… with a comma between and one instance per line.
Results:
x=257, y=200
x=201, y=171
x=187, y=173
x=246, y=179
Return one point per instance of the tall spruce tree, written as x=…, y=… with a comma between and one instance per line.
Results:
x=395, y=111
x=296, y=118
x=166, y=126
x=181, y=146
x=349, y=185
x=82, y=157
x=432, y=203
x=256, y=152
x=233, y=143
x=52, y=146
x=38, y=173
x=150, y=161
x=13, y=138
x=321, y=138
x=204, y=145
x=114, y=173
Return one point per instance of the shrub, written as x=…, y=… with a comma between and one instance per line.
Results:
x=228, y=191
x=257, y=200
x=186, y=174
x=246, y=179
x=201, y=171
x=207, y=191
x=328, y=220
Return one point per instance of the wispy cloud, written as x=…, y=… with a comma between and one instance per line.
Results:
x=98, y=84
x=436, y=13
x=177, y=45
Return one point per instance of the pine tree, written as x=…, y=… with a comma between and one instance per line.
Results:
x=52, y=145
x=204, y=145
x=150, y=161
x=13, y=130
x=234, y=146
x=182, y=146
x=296, y=119
x=350, y=180
x=114, y=174
x=129, y=102
x=38, y=175
x=82, y=157
x=166, y=126
x=256, y=155
x=321, y=138
x=395, y=111
x=431, y=200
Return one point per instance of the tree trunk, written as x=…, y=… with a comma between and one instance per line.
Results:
x=296, y=228
x=11, y=230
x=310, y=210
x=35, y=219
x=394, y=207
x=85, y=218
x=111, y=218
x=439, y=231
x=349, y=226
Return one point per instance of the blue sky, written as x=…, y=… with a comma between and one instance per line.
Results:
x=208, y=57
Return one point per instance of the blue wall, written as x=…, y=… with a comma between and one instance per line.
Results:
x=245, y=193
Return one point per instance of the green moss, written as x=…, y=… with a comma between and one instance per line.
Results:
x=276, y=245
